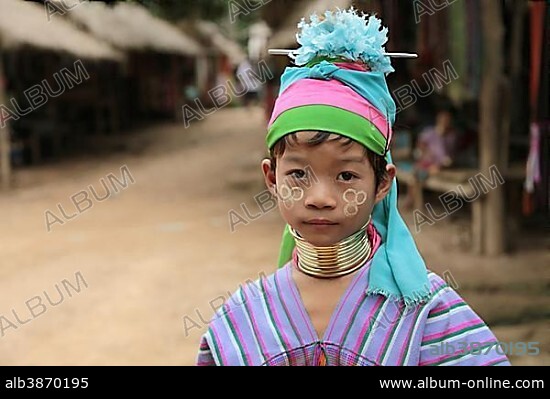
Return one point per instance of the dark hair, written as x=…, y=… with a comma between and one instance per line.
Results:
x=378, y=162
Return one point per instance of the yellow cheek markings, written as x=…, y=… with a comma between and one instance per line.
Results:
x=289, y=196
x=353, y=200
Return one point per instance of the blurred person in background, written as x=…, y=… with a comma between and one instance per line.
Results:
x=436, y=145
x=435, y=149
x=251, y=85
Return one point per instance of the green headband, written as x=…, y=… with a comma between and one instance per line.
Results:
x=329, y=119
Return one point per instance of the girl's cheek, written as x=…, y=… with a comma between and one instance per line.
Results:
x=353, y=199
x=289, y=195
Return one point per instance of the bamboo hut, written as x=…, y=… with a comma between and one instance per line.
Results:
x=34, y=53
x=222, y=55
x=162, y=60
x=226, y=47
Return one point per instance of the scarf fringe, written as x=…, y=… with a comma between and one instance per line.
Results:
x=409, y=301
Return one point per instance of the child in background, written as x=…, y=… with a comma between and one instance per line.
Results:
x=352, y=288
x=435, y=150
x=436, y=145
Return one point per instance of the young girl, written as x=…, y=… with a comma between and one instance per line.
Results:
x=352, y=288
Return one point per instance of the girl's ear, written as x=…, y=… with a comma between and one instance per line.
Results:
x=269, y=176
x=385, y=185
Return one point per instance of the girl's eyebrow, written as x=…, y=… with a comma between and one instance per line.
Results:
x=295, y=159
x=348, y=159
x=359, y=159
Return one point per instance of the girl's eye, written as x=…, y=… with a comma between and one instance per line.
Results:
x=297, y=174
x=346, y=176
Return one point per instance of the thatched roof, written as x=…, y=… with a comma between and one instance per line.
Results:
x=285, y=36
x=26, y=24
x=211, y=34
x=131, y=27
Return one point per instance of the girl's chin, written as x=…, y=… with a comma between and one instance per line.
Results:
x=324, y=236
x=321, y=240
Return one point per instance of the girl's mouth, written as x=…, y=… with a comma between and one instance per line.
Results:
x=320, y=222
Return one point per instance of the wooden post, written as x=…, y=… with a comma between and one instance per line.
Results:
x=418, y=193
x=477, y=226
x=5, y=142
x=517, y=99
x=201, y=74
x=494, y=229
x=517, y=115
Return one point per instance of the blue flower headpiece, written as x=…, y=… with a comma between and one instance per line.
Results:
x=343, y=35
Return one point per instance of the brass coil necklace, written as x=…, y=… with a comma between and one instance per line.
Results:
x=335, y=260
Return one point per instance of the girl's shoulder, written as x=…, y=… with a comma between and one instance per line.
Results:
x=443, y=288
x=250, y=292
x=439, y=280
x=263, y=285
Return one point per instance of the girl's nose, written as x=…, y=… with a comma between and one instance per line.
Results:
x=320, y=196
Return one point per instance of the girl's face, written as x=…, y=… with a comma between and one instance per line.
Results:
x=325, y=192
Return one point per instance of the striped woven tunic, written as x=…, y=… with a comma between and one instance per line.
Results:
x=266, y=323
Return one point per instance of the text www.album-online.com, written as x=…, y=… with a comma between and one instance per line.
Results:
x=489, y=383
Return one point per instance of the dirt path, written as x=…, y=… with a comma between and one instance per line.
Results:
x=131, y=280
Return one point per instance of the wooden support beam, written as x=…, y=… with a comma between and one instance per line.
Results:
x=5, y=141
x=493, y=232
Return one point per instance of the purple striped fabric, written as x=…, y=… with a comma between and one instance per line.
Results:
x=266, y=323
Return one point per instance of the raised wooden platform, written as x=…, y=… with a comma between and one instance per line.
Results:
x=449, y=181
